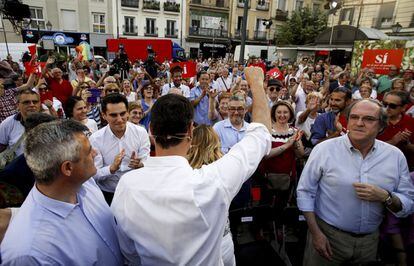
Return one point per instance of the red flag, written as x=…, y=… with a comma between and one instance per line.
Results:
x=189, y=68
x=275, y=73
x=32, y=49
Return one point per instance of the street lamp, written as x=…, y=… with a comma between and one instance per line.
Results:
x=396, y=28
x=48, y=25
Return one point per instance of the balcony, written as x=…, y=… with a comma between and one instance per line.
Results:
x=130, y=3
x=262, y=5
x=153, y=33
x=151, y=5
x=169, y=33
x=281, y=15
x=131, y=31
x=208, y=32
x=240, y=3
x=221, y=3
x=171, y=7
x=238, y=34
x=260, y=35
x=382, y=23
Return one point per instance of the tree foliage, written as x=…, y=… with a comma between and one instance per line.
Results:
x=302, y=27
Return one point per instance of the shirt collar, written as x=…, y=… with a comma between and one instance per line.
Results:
x=112, y=133
x=63, y=209
x=352, y=148
x=227, y=123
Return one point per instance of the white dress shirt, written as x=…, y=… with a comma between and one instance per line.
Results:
x=224, y=84
x=107, y=146
x=168, y=213
x=184, y=89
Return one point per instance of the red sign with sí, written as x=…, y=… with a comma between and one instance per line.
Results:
x=380, y=60
x=189, y=68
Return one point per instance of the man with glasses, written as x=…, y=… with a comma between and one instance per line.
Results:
x=400, y=129
x=11, y=129
x=273, y=88
x=343, y=198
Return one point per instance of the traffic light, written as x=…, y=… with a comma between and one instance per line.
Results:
x=268, y=23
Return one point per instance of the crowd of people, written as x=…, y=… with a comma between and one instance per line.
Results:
x=172, y=156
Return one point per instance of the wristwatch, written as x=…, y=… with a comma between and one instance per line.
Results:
x=388, y=200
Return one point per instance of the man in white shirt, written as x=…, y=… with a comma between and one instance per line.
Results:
x=121, y=146
x=224, y=82
x=170, y=214
x=176, y=76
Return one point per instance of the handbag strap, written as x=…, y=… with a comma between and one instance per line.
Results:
x=17, y=144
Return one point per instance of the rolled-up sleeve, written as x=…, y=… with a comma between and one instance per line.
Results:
x=242, y=159
x=405, y=190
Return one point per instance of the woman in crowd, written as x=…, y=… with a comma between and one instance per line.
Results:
x=279, y=166
x=398, y=85
x=77, y=110
x=146, y=102
x=135, y=113
x=365, y=90
x=205, y=149
x=126, y=90
x=219, y=112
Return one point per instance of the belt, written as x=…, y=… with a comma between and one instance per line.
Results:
x=357, y=235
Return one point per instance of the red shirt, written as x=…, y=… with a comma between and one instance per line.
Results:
x=406, y=122
x=62, y=91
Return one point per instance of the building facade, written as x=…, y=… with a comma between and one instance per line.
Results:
x=147, y=19
x=378, y=14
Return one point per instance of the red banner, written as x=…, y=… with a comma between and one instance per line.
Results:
x=380, y=60
x=189, y=68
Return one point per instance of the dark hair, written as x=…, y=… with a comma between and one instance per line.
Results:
x=113, y=98
x=35, y=119
x=70, y=104
x=403, y=95
x=345, y=90
x=284, y=103
x=171, y=115
x=202, y=72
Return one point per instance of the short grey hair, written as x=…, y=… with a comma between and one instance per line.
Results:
x=383, y=117
x=48, y=145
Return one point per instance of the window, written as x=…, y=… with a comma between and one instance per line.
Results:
x=170, y=28
x=129, y=27
x=239, y=22
x=37, y=18
x=150, y=26
x=347, y=14
x=281, y=5
x=98, y=22
x=316, y=7
x=69, y=20
x=299, y=5
x=385, y=17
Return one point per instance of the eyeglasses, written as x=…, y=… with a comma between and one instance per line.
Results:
x=238, y=109
x=274, y=88
x=27, y=102
x=365, y=119
x=391, y=105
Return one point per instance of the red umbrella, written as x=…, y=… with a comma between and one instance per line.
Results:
x=275, y=73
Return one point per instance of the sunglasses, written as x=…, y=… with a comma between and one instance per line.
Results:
x=391, y=105
x=274, y=88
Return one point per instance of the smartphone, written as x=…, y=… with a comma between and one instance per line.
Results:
x=96, y=93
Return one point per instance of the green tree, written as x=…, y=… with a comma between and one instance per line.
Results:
x=302, y=27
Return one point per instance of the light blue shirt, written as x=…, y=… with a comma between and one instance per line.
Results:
x=50, y=232
x=228, y=134
x=325, y=186
x=201, y=110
